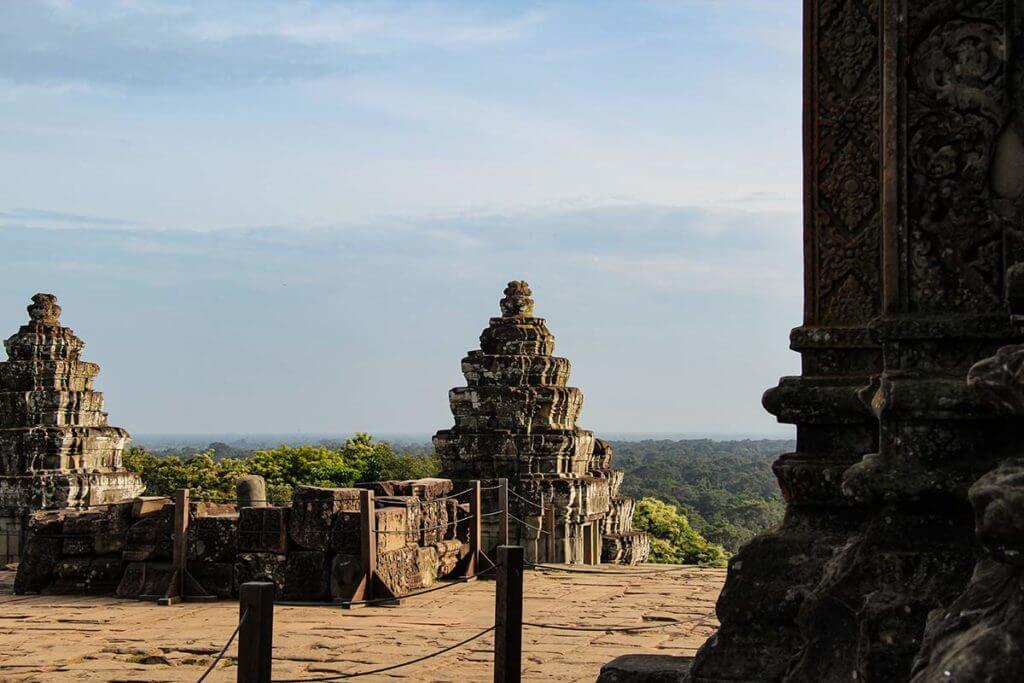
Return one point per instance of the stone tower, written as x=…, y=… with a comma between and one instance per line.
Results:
x=516, y=419
x=56, y=449
x=914, y=216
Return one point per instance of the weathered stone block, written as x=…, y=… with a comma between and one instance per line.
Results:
x=448, y=555
x=426, y=568
x=345, y=533
x=87, y=574
x=424, y=489
x=392, y=529
x=413, y=515
x=346, y=573
x=150, y=538
x=312, y=515
x=38, y=561
x=307, y=576
x=216, y=578
x=79, y=530
x=260, y=567
x=399, y=570
x=110, y=533
x=646, y=669
x=144, y=578
x=213, y=539
x=434, y=522
x=263, y=530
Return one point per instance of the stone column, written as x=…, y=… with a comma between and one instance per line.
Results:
x=914, y=174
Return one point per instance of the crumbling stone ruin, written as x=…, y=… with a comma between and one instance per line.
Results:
x=914, y=190
x=310, y=547
x=56, y=448
x=516, y=419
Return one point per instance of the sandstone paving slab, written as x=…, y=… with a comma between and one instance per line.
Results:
x=96, y=638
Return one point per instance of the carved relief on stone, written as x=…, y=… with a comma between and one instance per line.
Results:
x=955, y=114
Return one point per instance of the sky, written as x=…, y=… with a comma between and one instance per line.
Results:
x=298, y=216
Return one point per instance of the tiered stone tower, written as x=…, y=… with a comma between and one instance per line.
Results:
x=517, y=419
x=56, y=449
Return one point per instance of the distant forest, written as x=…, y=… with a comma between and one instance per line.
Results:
x=725, y=488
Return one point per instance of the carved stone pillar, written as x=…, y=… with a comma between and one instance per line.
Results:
x=914, y=174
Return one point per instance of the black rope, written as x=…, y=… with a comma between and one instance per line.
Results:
x=432, y=528
x=609, y=629
x=224, y=649
x=572, y=570
x=491, y=514
x=528, y=524
x=441, y=587
x=392, y=667
x=451, y=496
x=526, y=500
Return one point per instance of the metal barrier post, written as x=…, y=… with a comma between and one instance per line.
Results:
x=367, y=545
x=503, y=516
x=508, y=615
x=256, y=631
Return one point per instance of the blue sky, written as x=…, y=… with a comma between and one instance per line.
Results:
x=288, y=217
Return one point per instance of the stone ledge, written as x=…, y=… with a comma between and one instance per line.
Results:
x=645, y=669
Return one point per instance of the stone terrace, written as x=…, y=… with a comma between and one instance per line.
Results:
x=55, y=638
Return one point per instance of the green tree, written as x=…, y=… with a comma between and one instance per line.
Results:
x=673, y=540
x=360, y=458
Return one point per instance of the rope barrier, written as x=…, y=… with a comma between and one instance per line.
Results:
x=527, y=500
x=491, y=514
x=451, y=496
x=571, y=570
x=432, y=589
x=224, y=649
x=608, y=629
x=392, y=667
x=490, y=488
x=527, y=524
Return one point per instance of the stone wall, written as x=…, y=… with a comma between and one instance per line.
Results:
x=310, y=548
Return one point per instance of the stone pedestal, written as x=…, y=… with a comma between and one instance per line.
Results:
x=56, y=449
x=516, y=419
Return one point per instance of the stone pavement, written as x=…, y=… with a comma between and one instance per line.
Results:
x=60, y=638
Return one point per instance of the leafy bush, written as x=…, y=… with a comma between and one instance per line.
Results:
x=673, y=540
x=360, y=458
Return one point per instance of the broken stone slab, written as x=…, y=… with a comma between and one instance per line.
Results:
x=263, y=530
x=148, y=506
x=307, y=576
x=426, y=568
x=213, y=539
x=110, y=533
x=434, y=523
x=260, y=567
x=313, y=510
x=428, y=488
x=646, y=669
x=216, y=578
x=208, y=509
